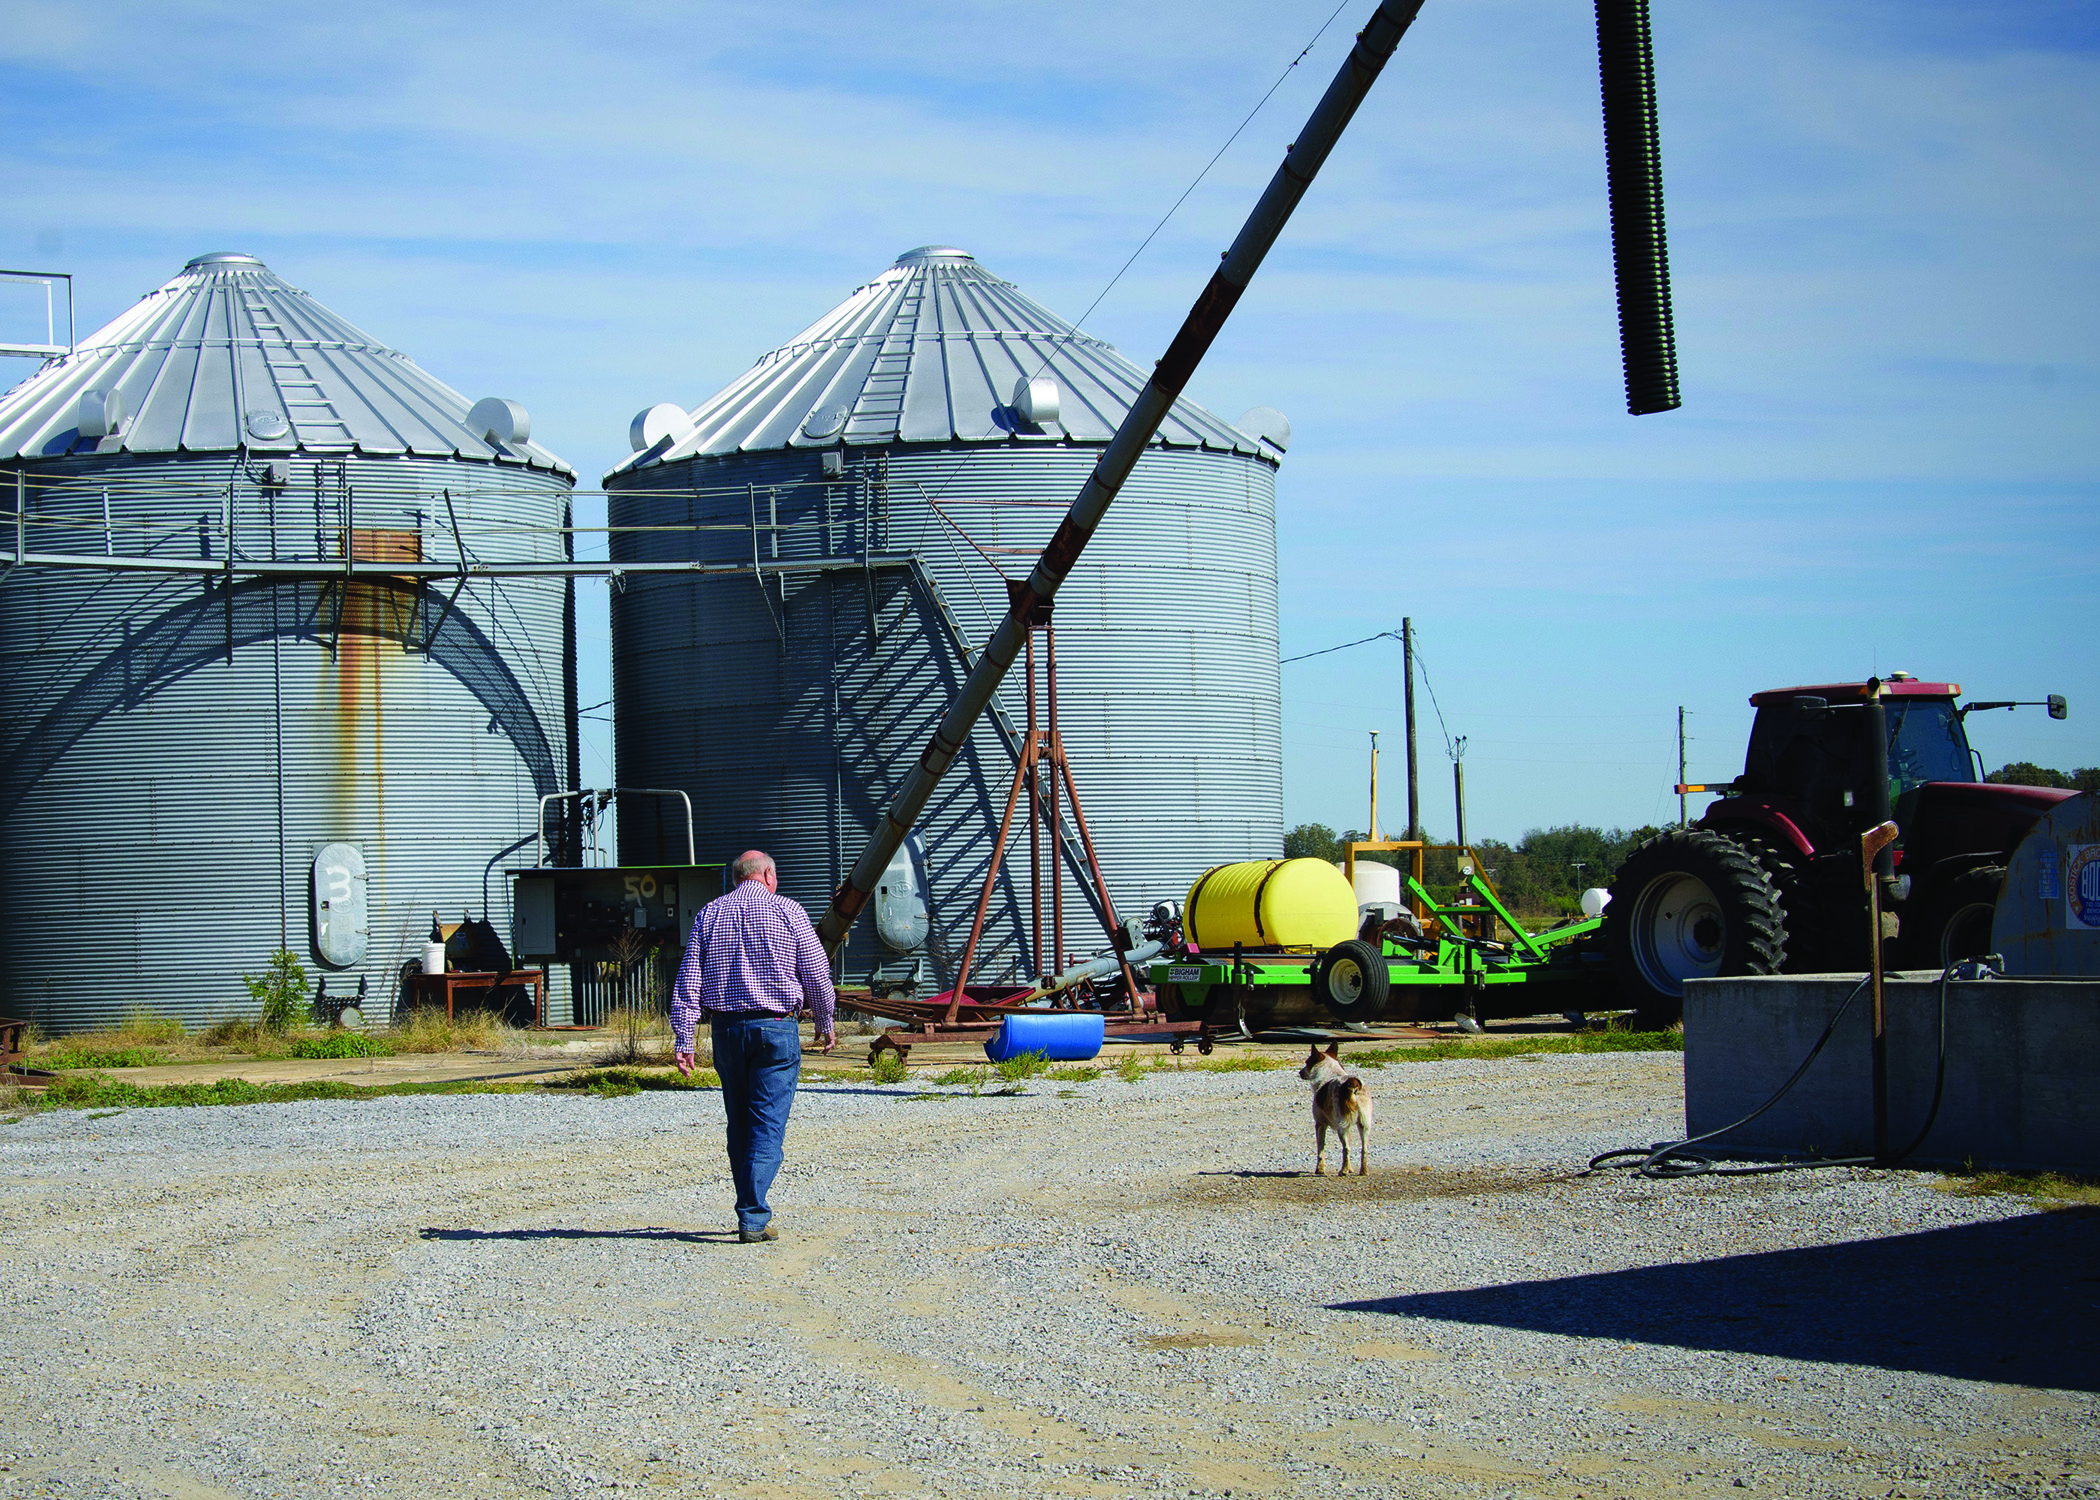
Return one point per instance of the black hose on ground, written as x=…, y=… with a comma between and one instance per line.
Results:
x=1674, y=1158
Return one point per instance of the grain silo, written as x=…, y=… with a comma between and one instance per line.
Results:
x=203, y=766
x=877, y=478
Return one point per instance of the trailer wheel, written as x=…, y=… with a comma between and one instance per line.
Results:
x=1350, y=979
x=1689, y=905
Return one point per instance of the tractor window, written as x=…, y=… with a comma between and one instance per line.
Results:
x=1816, y=755
x=1926, y=743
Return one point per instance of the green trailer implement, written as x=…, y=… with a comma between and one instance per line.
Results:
x=1449, y=965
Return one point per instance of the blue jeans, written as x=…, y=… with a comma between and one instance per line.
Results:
x=759, y=1059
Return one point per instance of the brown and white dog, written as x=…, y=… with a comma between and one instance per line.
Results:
x=1339, y=1103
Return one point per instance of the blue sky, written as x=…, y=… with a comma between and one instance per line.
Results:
x=1884, y=231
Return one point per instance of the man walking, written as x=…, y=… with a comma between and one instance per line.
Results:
x=751, y=962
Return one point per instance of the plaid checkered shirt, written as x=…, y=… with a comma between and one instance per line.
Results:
x=751, y=953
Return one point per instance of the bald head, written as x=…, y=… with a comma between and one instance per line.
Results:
x=754, y=864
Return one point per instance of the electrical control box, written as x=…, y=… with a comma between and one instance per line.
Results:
x=612, y=912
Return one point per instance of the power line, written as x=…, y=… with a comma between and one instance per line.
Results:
x=1383, y=635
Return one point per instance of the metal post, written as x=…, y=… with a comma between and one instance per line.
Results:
x=1035, y=817
x=1414, y=789
x=1873, y=845
x=1683, y=818
x=1458, y=787
x=1057, y=755
x=569, y=852
x=1374, y=786
x=1374, y=44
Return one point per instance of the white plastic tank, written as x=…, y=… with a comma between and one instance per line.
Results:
x=1376, y=883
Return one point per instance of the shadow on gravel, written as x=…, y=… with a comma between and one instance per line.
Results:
x=2014, y=1302
x=1392, y=1184
x=687, y=1236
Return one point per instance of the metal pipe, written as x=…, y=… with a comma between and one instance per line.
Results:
x=433, y=571
x=1633, y=173
x=1302, y=161
x=691, y=846
x=1035, y=820
x=1057, y=756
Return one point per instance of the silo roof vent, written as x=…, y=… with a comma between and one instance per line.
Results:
x=936, y=349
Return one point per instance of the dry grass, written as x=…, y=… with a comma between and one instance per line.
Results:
x=635, y=1037
x=2049, y=1190
x=429, y=1030
x=142, y=1040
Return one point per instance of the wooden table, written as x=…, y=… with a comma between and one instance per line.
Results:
x=452, y=981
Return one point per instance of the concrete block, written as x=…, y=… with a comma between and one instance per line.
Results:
x=2023, y=1058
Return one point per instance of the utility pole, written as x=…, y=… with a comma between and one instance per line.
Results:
x=1682, y=819
x=1414, y=792
x=1374, y=787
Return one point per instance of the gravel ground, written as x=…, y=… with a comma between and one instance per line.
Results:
x=1101, y=1288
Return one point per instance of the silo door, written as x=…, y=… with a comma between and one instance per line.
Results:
x=341, y=929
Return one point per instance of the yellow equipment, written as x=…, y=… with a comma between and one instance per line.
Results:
x=1270, y=903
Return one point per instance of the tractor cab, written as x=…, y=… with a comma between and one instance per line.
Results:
x=1809, y=747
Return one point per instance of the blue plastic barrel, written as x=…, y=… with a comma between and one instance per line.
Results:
x=1062, y=1035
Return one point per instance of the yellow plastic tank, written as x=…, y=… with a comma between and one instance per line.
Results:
x=1270, y=903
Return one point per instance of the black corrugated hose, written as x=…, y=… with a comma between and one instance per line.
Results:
x=1633, y=174
x=1675, y=1159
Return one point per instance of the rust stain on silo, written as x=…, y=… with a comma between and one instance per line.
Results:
x=376, y=618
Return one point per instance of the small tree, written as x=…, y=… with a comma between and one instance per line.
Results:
x=281, y=992
x=1311, y=841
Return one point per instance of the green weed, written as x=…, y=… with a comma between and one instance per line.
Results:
x=1244, y=1062
x=280, y=990
x=1076, y=1073
x=98, y=1091
x=334, y=1044
x=1131, y=1067
x=888, y=1067
x=1517, y=1046
x=612, y=1083
x=1023, y=1066
x=69, y=1055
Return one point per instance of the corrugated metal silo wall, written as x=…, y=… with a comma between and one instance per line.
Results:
x=771, y=710
x=160, y=808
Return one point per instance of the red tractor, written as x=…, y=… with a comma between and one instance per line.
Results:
x=1769, y=880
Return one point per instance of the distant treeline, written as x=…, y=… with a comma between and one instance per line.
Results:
x=1545, y=871
x=1548, y=869
x=2027, y=773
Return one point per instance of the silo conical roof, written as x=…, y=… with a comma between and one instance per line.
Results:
x=229, y=356
x=930, y=351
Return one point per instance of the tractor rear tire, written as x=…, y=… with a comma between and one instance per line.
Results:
x=1957, y=923
x=1350, y=979
x=1689, y=904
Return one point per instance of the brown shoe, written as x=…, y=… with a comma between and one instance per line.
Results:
x=756, y=1236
